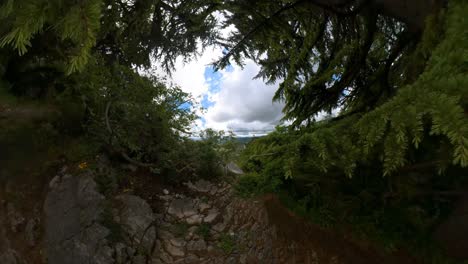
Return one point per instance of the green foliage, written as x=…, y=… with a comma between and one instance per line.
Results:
x=203, y=230
x=433, y=105
x=204, y=157
x=136, y=116
x=387, y=172
x=227, y=243
x=116, y=233
x=72, y=25
x=180, y=229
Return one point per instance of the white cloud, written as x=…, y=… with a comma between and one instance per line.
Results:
x=243, y=103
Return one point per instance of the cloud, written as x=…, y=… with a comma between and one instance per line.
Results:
x=233, y=100
x=243, y=104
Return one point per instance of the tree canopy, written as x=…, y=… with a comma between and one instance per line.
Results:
x=392, y=73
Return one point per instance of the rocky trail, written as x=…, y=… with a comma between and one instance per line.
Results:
x=199, y=222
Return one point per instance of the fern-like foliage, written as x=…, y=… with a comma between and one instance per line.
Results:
x=76, y=25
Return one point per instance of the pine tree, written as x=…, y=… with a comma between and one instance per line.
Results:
x=394, y=80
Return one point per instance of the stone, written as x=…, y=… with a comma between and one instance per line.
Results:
x=173, y=250
x=212, y=215
x=192, y=232
x=219, y=227
x=177, y=242
x=181, y=208
x=15, y=218
x=194, y=220
x=166, y=192
x=197, y=245
x=203, y=207
x=137, y=220
x=201, y=186
x=72, y=211
x=233, y=168
x=191, y=258
x=31, y=231
x=76, y=218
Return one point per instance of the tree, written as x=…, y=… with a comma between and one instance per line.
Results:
x=393, y=161
x=64, y=36
x=377, y=62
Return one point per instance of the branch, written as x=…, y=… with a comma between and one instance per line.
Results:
x=266, y=154
x=121, y=152
x=330, y=6
x=219, y=64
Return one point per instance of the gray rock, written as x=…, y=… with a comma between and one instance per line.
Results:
x=212, y=215
x=31, y=231
x=200, y=186
x=191, y=258
x=219, y=227
x=181, y=208
x=137, y=220
x=7, y=255
x=197, y=245
x=76, y=230
x=173, y=250
x=203, y=207
x=194, y=220
x=72, y=212
x=177, y=242
x=233, y=168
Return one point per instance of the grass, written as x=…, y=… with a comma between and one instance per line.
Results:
x=227, y=243
x=203, y=230
x=180, y=229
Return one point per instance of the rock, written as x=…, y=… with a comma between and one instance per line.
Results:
x=165, y=258
x=233, y=168
x=212, y=215
x=200, y=186
x=77, y=219
x=72, y=231
x=194, y=220
x=203, y=207
x=189, y=210
x=219, y=227
x=166, y=192
x=31, y=231
x=177, y=242
x=15, y=218
x=182, y=207
x=191, y=258
x=197, y=245
x=137, y=220
x=173, y=250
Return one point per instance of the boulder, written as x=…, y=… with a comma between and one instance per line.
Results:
x=73, y=233
x=79, y=221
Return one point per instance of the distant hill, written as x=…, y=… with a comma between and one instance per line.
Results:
x=245, y=140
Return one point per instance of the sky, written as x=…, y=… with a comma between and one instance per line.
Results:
x=233, y=100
